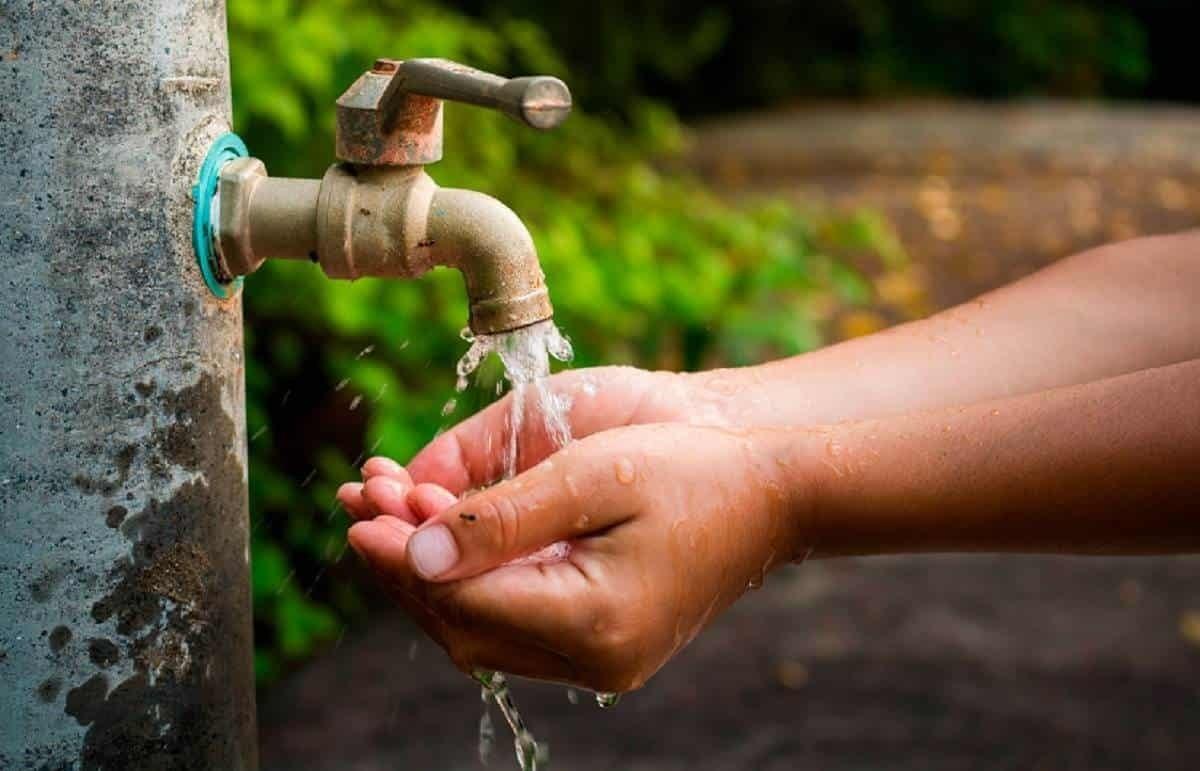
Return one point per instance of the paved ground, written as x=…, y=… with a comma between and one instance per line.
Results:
x=932, y=663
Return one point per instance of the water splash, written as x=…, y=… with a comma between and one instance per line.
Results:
x=607, y=699
x=525, y=354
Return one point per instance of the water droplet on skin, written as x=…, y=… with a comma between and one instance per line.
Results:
x=626, y=473
x=995, y=412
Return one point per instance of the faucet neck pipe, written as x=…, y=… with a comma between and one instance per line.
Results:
x=385, y=221
x=283, y=218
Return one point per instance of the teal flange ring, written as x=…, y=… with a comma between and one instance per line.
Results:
x=228, y=147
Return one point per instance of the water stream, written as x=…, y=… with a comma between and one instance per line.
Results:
x=525, y=354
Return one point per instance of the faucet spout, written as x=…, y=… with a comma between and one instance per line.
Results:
x=490, y=245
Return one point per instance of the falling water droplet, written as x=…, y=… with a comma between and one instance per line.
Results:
x=487, y=736
x=355, y=402
x=448, y=407
x=341, y=384
x=365, y=351
x=607, y=699
x=286, y=580
x=258, y=433
x=309, y=478
x=572, y=696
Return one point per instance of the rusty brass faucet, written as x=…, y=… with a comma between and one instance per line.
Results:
x=377, y=213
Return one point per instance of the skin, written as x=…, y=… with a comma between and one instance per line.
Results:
x=1058, y=414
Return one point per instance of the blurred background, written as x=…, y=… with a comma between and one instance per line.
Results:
x=738, y=182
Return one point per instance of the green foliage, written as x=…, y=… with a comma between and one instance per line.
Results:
x=644, y=267
x=711, y=56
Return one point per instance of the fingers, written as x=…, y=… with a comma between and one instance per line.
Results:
x=389, y=496
x=428, y=500
x=381, y=541
x=360, y=504
x=350, y=496
x=518, y=517
x=381, y=466
x=472, y=454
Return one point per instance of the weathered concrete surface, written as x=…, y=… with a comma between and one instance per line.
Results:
x=124, y=593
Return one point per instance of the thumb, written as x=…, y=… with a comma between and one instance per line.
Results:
x=557, y=500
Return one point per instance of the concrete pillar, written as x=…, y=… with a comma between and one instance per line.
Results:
x=125, y=630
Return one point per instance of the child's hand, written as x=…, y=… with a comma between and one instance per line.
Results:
x=667, y=524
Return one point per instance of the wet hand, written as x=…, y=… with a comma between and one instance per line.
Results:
x=666, y=524
x=472, y=454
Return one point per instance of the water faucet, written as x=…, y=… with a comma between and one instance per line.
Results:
x=377, y=213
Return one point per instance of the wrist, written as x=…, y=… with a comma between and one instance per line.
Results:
x=719, y=397
x=797, y=482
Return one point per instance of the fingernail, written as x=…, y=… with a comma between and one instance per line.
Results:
x=382, y=465
x=432, y=551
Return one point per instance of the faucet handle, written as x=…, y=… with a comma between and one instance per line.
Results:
x=392, y=115
x=539, y=101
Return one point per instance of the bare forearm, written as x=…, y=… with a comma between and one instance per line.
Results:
x=1113, y=310
x=1106, y=467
